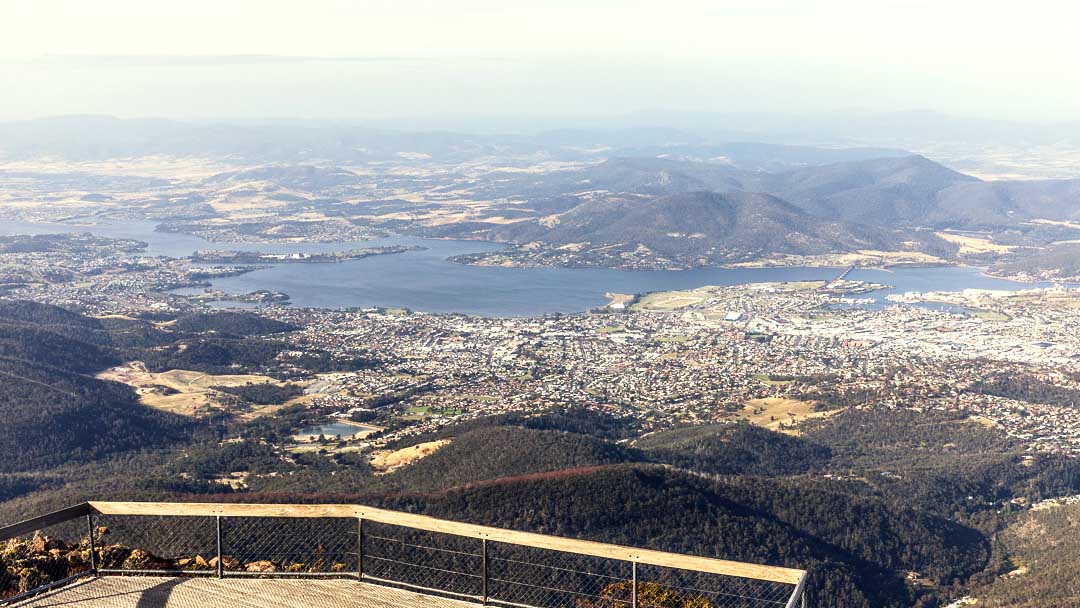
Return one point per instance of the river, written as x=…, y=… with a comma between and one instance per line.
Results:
x=426, y=281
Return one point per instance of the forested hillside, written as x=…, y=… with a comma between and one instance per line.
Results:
x=56, y=412
x=862, y=497
x=667, y=510
x=53, y=411
x=1038, y=556
x=711, y=225
x=737, y=449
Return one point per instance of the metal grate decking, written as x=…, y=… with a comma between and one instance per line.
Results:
x=165, y=592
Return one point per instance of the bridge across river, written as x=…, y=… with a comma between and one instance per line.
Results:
x=843, y=275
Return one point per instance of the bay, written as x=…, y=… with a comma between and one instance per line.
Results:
x=427, y=281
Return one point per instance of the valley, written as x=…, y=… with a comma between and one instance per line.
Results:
x=818, y=360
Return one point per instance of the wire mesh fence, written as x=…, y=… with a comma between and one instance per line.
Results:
x=674, y=588
x=530, y=576
x=432, y=561
x=461, y=565
x=153, y=543
x=43, y=558
x=279, y=545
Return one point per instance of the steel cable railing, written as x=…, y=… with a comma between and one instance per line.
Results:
x=45, y=553
x=434, y=557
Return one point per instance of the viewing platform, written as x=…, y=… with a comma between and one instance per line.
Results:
x=142, y=555
x=176, y=592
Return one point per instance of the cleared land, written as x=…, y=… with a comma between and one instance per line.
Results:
x=865, y=258
x=771, y=412
x=1062, y=223
x=619, y=300
x=665, y=301
x=971, y=244
x=990, y=315
x=184, y=392
x=385, y=461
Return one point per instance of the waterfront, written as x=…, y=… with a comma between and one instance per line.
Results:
x=424, y=280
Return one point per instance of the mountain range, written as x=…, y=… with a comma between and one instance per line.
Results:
x=910, y=190
x=699, y=224
x=701, y=213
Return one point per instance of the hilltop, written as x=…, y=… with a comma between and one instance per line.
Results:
x=684, y=230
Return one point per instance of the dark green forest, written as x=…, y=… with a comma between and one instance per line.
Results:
x=861, y=498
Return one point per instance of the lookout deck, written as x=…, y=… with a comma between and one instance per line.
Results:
x=166, y=592
x=205, y=555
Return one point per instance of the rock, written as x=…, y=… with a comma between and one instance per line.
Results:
x=144, y=560
x=227, y=563
x=38, y=544
x=76, y=557
x=262, y=566
x=113, y=556
x=193, y=563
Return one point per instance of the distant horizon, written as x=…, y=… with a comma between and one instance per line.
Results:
x=377, y=61
x=704, y=123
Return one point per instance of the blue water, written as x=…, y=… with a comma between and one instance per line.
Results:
x=426, y=281
x=333, y=429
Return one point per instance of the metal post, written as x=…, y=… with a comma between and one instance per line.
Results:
x=220, y=566
x=360, y=548
x=633, y=585
x=90, y=530
x=484, y=569
x=799, y=595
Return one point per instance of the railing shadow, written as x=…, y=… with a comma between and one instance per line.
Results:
x=158, y=595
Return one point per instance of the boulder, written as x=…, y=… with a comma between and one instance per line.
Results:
x=144, y=560
x=227, y=563
x=194, y=563
x=113, y=556
x=262, y=566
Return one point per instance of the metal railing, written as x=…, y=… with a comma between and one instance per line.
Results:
x=481, y=564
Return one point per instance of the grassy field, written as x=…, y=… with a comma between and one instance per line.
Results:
x=767, y=379
x=971, y=244
x=183, y=392
x=864, y=258
x=804, y=285
x=622, y=299
x=671, y=339
x=989, y=315
x=385, y=461
x=771, y=412
x=983, y=421
x=666, y=301
x=419, y=412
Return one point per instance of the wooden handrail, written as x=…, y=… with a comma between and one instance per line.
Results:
x=789, y=576
x=44, y=521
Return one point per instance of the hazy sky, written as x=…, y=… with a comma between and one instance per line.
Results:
x=1018, y=60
